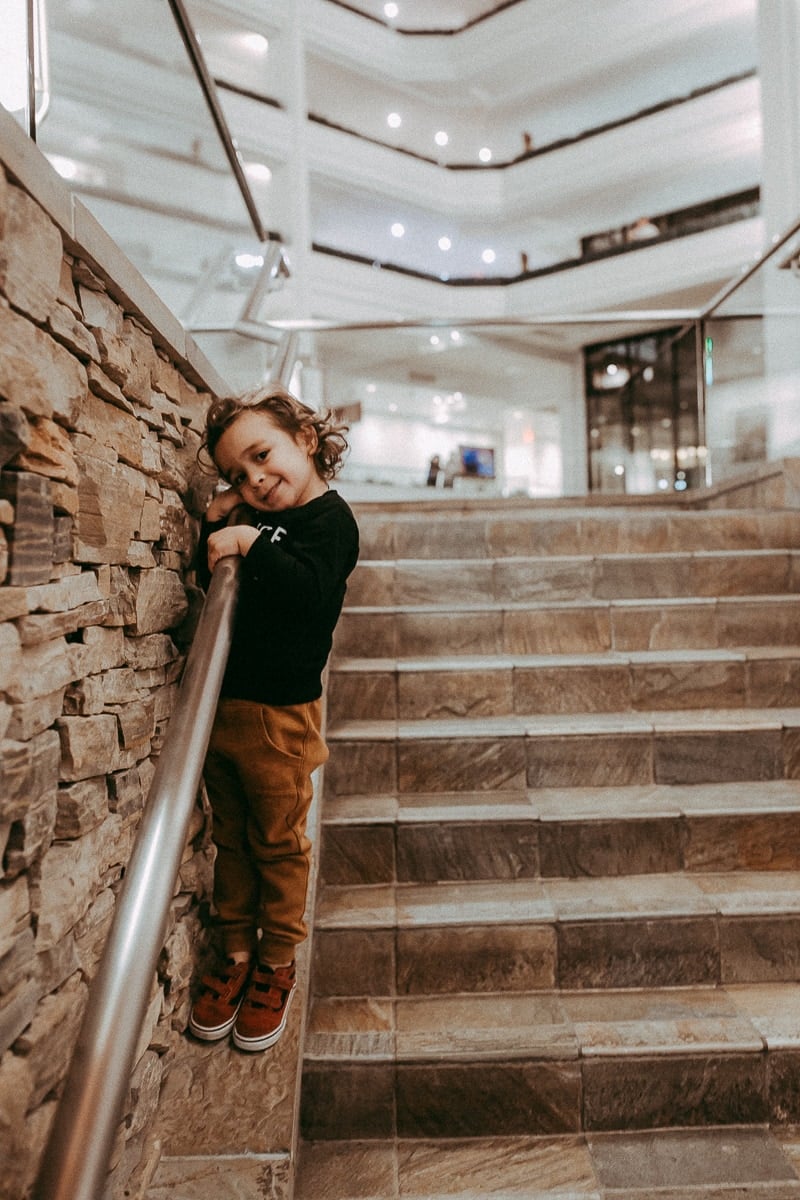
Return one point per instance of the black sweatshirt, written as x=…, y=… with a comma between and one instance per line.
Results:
x=291, y=590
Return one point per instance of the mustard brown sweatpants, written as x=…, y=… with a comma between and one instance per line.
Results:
x=258, y=777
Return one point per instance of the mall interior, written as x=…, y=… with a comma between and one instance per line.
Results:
x=542, y=259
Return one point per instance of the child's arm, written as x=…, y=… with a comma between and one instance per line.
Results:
x=232, y=539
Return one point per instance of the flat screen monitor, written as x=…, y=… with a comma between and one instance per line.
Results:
x=477, y=461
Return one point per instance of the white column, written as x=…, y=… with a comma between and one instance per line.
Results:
x=779, y=76
x=299, y=209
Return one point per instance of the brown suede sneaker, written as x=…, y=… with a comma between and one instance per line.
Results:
x=221, y=995
x=262, y=1017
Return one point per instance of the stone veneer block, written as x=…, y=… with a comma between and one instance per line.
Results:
x=445, y=764
x=333, y=1170
x=469, y=850
x=468, y=1100
x=371, y=583
x=440, y=538
x=773, y=682
x=718, y=756
x=620, y=576
x=645, y=952
x=31, y=536
x=227, y=1177
x=347, y=1100
x=586, y=761
x=702, y=1089
x=490, y=958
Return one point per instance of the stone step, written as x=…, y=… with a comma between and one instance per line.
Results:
x=671, y=1164
x=558, y=577
x=568, y=627
x=564, y=531
x=499, y=685
x=560, y=832
x=551, y=1063
x=583, y=750
x=676, y=929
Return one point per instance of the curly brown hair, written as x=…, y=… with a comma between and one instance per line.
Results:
x=289, y=414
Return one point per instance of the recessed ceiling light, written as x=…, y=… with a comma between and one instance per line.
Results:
x=441, y=138
x=485, y=154
x=394, y=120
x=390, y=11
x=488, y=256
x=256, y=43
x=248, y=261
x=444, y=243
x=434, y=340
x=371, y=388
x=455, y=336
x=398, y=230
x=258, y=171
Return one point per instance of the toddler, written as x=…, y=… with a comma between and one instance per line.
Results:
x=298, y=541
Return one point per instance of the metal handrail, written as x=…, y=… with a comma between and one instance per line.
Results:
x=75, y=1162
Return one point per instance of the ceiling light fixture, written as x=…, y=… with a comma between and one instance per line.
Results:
x=394, y=120
x=485, y=154
x=441, y=138
x=398, y=230
x=258, y=171
x=391, y=11
x=488, y=256
x=444, y=243
x=256, y=43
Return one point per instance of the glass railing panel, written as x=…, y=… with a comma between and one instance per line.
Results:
x=500, y=409
x=752, y=368
x=129, y=129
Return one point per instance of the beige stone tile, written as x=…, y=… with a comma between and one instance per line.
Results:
x=372, y=583
x=640, y=896
x=348, y=906
x=366, y=631
x=607, y=803
x=554, y=578
x=360, y=767
x=716, y=755
x=452, y=850
x=621, y=576
x=464, y=806
x=688, y=685
x=437, y=582
x=355, y=1170
x=655, y=1159
x=572, y=689
x=773, y=1009
x=479, y=632
x=472, y=1027
x=768, y=795
x=376, y=808
x=362, y=695
x=758, y=622
x=594, y=759
x=557, y=630
x=536, y=1168
x=660, y=1022
x=751, y=841
x=453, y=762
x=474, y=902
x=467, y=693
x=751, y=891
x=500, y=957
x=227, y=1177
x=664, y=625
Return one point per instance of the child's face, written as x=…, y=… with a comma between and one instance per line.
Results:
x=270, y=469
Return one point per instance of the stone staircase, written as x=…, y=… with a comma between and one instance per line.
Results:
x=557, y=935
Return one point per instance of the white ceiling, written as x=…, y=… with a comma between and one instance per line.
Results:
x=128, y=114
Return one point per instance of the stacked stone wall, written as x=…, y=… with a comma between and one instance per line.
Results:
x=99, y=428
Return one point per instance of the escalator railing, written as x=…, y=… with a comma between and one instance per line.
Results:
x=75, y=1162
